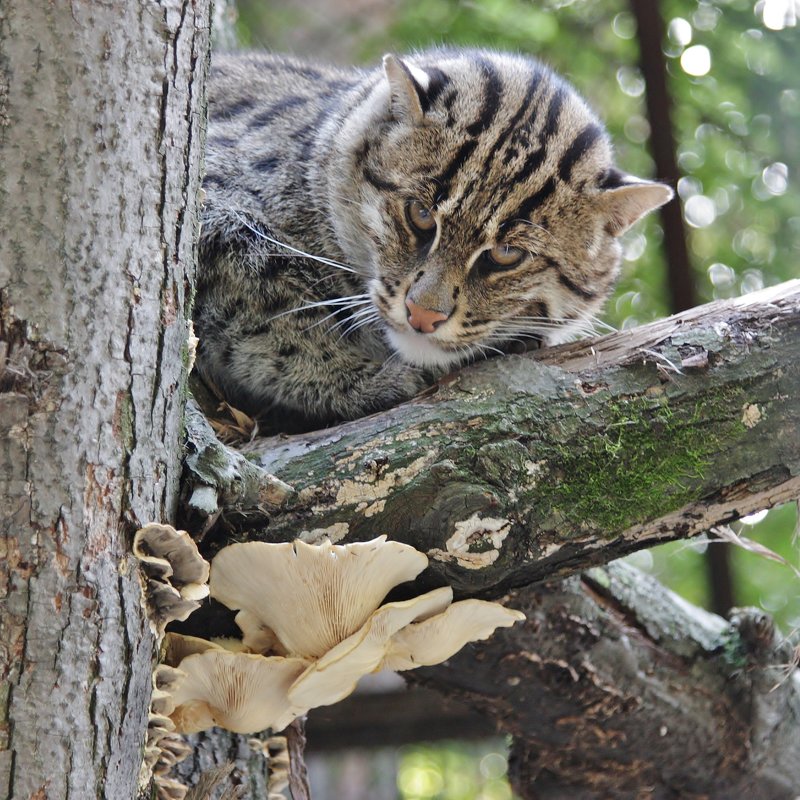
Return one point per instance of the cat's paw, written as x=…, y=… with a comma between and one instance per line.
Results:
x=404, y=381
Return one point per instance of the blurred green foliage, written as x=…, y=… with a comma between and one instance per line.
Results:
x=454, y=771
x=759, y=581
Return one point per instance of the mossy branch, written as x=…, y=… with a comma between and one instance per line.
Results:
x=527, y=467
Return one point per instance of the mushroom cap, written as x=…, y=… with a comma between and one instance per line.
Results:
x=175, y=748
x=158, y=726
x=311, y=596
x=161, y=703
x=167, y=604
x=155, y=542
x=422, y=644
x=166, y=677
x=241, y=692
x=256, y=636
x=335, y=675
x=170, y=789
x=177, y=646
x=176, y=573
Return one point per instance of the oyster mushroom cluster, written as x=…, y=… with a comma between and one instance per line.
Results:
x=175, y=574
x=312, y=625
x=175, y=580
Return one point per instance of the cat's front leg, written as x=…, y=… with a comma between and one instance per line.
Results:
x=329, y=381
x=301, y=374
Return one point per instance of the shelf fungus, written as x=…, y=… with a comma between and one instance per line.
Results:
x=322, y=604
x=242, y=692
x=176, y=575
x=313, y=624
x=163, y=746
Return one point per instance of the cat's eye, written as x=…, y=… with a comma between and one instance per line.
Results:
x=505, y=256
x=420, y=217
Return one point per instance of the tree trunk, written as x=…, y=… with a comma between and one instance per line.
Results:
x=101, y=109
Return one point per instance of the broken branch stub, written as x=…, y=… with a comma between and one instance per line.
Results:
x=219, y=479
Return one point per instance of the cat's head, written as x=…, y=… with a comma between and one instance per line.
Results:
x=481, y=192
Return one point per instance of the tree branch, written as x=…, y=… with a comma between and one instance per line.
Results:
x=524, y=468
x=614, y=684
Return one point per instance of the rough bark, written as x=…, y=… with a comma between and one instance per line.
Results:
x=223, y=763
x=613, y=687
x=531, y=467
x=100, y=149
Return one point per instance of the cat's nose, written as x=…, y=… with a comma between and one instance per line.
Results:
x=424, y=320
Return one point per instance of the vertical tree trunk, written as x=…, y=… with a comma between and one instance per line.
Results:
x=100, y=149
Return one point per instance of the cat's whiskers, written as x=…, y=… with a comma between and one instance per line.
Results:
x=601, y=323
x=588, y=319
x=540, y=331
x=370, y=320
x=327, y=261
x=344, y=303
x=483, y=347
x=355, y=317
x=540, y=334
x=394, y=356
x=536, y=327
x=503, y=336
x=576, y=323
x=466, y=353
x=330, y=276
x=324, y=320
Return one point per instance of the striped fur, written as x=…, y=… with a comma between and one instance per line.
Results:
x=306, y=161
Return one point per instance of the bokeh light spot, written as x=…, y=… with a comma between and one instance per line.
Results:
x=696, y=60
x=680, y=31
x=699, y=211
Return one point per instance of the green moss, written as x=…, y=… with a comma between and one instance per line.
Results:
x=126, y=422
x=734, y=652
x=645, y=461
x=503, y=462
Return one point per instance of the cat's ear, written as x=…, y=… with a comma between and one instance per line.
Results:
x=629, y=200
x=407, y=87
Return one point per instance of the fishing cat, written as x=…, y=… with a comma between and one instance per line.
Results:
x=364, y=229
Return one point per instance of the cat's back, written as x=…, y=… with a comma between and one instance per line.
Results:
x=265, y=112
x=256, y=88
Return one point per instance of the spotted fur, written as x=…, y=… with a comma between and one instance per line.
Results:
x=306, y=161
